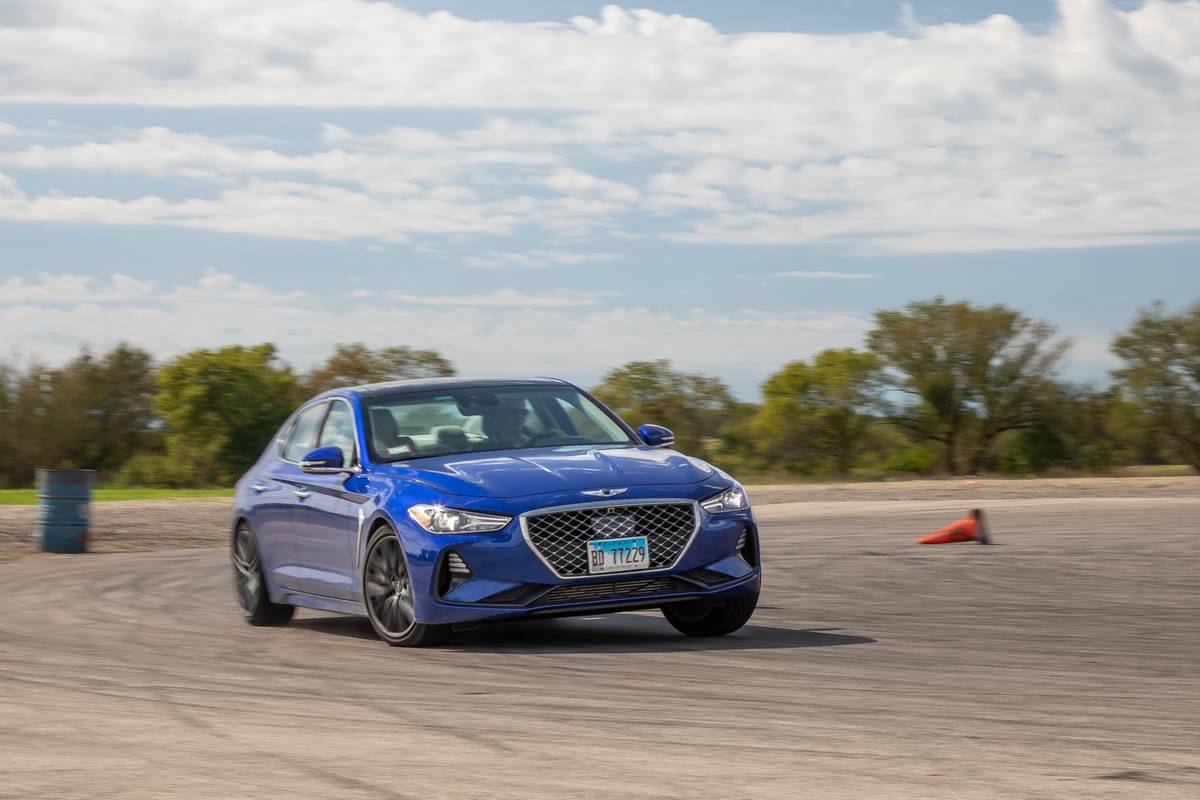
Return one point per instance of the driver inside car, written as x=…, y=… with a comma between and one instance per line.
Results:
x=504, y=423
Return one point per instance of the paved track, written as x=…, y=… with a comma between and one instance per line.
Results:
x=1063, y=662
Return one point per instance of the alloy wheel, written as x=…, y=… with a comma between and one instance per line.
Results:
x=389, y=588
x=247, y=580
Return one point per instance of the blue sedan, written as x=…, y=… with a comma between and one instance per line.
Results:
x=431, y=506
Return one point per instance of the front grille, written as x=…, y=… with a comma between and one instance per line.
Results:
x=615, y=590
x=561, y=536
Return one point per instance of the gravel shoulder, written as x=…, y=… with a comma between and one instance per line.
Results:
x=128, y=525
x=972, y=490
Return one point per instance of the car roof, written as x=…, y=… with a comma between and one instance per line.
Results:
x=423, y=384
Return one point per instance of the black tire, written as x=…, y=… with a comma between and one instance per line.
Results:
x=249, y=586
x=387, y=595
x=702, y=620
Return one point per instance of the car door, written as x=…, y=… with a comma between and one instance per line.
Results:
x=327, y=520
x=279, y=485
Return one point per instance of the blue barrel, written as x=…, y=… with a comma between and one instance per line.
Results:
x=64, y=500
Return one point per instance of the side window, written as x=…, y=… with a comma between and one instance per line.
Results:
x=339, y=431
x=303, y=438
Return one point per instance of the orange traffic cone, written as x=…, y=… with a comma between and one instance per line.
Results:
x=971, y=529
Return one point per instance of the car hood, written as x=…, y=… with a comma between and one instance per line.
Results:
x=540, y=471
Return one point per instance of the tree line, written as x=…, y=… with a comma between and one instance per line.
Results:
x=937, y=388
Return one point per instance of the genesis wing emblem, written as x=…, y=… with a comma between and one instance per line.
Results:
x=605, y=492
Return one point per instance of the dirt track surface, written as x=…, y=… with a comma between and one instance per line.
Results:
x=129, y=525
x=1063, y=662
x=973, y=490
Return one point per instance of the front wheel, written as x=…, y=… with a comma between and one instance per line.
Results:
x=697, y=619
x=249, y=586
x=388, y=591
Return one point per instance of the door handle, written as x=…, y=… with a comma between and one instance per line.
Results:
x=301, y=494
x=259, y=488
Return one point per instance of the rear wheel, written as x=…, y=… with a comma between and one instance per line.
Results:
x=698, y=619
x=388, y=591
x=249, y=586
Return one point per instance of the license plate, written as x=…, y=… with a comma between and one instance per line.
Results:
x=618, y=555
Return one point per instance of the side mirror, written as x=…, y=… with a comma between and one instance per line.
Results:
x=325, y=460
x=656, y=435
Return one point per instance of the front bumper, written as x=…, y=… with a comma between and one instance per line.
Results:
x=607, y=596
x=509, y=579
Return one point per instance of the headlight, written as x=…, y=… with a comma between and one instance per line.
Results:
x=437, y=519
x=732, y=499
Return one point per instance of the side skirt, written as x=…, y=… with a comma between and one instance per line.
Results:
x=321, y=603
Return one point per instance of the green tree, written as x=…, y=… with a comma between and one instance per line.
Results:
x=221, y=408
x=971, y=373
x=693, y=406
x=1162, y=371
x=1083, y=428
x=353, y=364
x=28, y=408
x=735, y=447
x=817, y=416
x=102, y=409
x=13, y=466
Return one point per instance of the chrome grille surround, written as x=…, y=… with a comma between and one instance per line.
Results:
x=561, y=541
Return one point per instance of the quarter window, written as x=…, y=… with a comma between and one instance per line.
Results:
x=338, y=431
x=303, y=438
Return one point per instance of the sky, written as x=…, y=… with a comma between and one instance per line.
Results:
x=555, y=187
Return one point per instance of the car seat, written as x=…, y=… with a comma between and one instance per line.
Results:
x=451, y=438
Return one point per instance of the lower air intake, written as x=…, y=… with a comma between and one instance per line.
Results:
x=456, y=565
x=707, y=577
x=615, y=590
x=514, y=596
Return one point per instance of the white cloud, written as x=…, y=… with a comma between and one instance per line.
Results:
x=288, y=209
x=824, y=275
x=946, y=138
x=553, y=332
x=156, y=151
x=532, y=259
x=570, y=181
x=66, y=288
x=500, y=298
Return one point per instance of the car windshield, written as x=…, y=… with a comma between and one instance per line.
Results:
x=482, y=419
